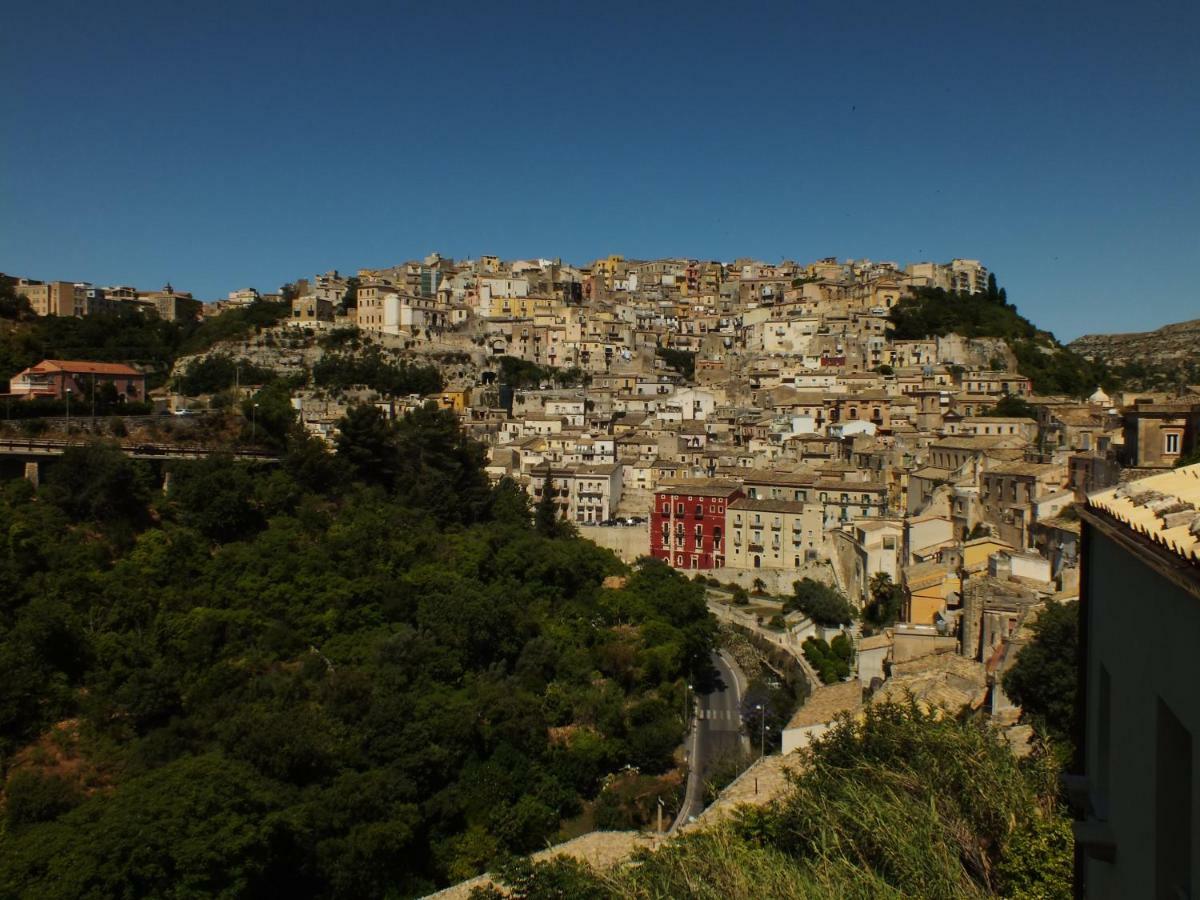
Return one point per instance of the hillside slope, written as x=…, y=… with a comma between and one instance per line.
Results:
x=1053, y=368
x=1164, y=357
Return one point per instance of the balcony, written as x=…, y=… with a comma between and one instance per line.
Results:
x=755, y=548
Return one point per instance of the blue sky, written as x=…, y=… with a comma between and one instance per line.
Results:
x=219, y=145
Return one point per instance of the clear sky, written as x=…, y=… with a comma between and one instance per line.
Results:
x=219, y=145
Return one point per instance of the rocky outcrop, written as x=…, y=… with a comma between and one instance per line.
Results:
x=1165, y=348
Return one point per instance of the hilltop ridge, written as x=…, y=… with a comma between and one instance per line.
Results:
x=1147, y=359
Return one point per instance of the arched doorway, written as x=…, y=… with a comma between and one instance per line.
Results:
x=758, y=562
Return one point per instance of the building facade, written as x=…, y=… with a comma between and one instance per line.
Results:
x=1135, y=784
x=687, y=522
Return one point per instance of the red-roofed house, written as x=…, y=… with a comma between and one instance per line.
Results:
x=52, y=378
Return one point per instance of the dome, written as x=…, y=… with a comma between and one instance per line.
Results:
x=1100, y=398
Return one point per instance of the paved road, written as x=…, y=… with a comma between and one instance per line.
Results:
x=717, y=730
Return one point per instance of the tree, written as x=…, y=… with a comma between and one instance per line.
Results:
x=98, y=482
x=1043, y=681
x=1010, y=406
x=366, y=440
x=887, y=600
x=760, y=586
x=13, y=305
x=441, y=467
x=825, y=605
x=198, y=826
x=215, y=495
x=546, y=517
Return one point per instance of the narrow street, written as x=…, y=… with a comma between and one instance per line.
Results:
x=717, y=730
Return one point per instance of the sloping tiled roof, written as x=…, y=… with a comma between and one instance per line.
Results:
x=85, y=367
x=1164, y=508
x=824, y=704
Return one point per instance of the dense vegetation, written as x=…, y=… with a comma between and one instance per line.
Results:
x=520, y=374
x=903, y=803
x=346, y=676
x=1052, y=367
x=831, y=660
x=218, y=372
x=369, y=367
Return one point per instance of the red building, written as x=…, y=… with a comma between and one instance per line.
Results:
x=56, y=378
x=687, y=523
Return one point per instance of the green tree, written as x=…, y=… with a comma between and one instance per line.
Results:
x=96, y=481
x=1010, y=406
x=215, y=496
x=825, y=605
x=441, y=468
x=886, y=603
x=1043, y=681
x=32, y=797
x=366, y=440
x=199, y=826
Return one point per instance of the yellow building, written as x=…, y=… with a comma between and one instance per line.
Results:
x=456, y=401
x=975, y=553
x=929, y=585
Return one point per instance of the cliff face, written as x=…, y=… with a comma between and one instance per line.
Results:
x=1169, y=346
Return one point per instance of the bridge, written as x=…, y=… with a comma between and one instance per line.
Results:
x=34, y=449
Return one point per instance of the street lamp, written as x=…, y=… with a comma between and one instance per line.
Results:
x=254, y=422
x=686, y=689
x=762, y=718
x=68, y=410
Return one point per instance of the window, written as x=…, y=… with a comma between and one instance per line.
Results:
x=699, y=533
x=679, y=509
x=1171, y=442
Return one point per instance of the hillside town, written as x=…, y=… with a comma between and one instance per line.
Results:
x=750, y=422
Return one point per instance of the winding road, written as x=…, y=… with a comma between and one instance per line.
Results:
x=716, y=730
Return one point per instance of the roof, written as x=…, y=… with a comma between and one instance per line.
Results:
x=85, y=367
x=824, y=704
x=698, y=487
x=774, y=506
x=1162, y=508
x=1024, y=469
x=874, y=642
x=942, y=679
x=926, y=574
